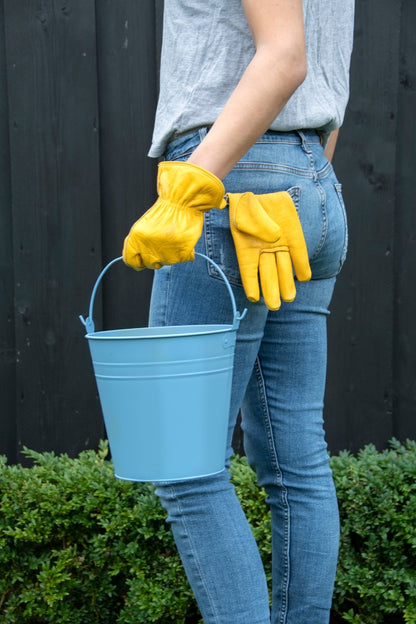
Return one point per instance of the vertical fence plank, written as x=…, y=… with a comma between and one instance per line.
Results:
x=127, y=88
x=159, y=6
x=359, y=388
x=70, y=188
x=51, y=64
x=7, y=347
x=404, y=361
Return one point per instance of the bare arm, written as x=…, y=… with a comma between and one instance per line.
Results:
x=330, y=146
x=276, y=70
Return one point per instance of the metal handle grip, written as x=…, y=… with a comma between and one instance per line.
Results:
x=89, y=322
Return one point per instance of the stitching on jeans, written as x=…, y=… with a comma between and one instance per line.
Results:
x=303, y=173
x=279, y=482
x=166, y=299
x=316, y=178
x=215, y=254
x=324, y=221
x=193, y=550
x=338, y=188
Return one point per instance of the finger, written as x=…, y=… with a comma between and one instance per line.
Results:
x=269, y=280
x=285, y=273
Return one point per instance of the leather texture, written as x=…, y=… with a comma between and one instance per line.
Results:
x=168, y=232
x=268, y=239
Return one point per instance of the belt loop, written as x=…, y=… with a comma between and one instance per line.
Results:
x=303, y=141
x=203, y=132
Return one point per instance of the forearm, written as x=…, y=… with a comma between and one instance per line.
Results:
x=276, y=70
x=252, y=107
x=330, y=146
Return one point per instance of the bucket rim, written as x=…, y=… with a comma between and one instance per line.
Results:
x=194, y=330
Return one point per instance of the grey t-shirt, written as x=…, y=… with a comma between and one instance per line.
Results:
x=207, y=45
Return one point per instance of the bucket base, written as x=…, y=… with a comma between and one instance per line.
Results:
x=170, y=480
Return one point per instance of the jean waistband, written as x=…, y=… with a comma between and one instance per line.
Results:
x=311, y=136
x=296, y=137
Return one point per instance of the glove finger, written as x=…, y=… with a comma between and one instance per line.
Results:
x=269, y=280
x=131, y=257
x=300, y=261
x=285, y=273
x=190, y=257
x=248, y=265
x=179, y=255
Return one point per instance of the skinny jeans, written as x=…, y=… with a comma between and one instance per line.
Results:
x=278, y=386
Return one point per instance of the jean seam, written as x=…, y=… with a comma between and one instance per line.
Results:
x=338, y=188
x=194, y=553
x=168, y=282
x=232, y=277
x=303, y=173
x=324, y=221
x=316, y=178
x=279, y=482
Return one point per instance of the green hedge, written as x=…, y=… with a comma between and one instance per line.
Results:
x=78, y=546
x=376, y=579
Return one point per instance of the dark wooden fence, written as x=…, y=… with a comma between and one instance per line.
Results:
x=78, y=88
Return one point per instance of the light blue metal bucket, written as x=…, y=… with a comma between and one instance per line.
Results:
x=165, y=394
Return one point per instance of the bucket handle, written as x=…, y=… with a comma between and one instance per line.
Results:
x=89, y=322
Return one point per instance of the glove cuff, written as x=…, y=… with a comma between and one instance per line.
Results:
x=189, y=185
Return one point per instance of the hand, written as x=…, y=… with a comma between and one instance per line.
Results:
x=168, y=232
x=268, y=238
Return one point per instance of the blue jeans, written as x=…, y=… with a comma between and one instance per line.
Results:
x=278, y=383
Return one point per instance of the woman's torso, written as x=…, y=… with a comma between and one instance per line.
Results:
x=208, y=45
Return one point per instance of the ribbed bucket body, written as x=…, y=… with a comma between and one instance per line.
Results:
x=165, y=397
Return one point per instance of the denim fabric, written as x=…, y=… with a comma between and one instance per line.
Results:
x=278, y=383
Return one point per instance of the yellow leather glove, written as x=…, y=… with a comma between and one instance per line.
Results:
x=168, y=232
x=268, y=238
